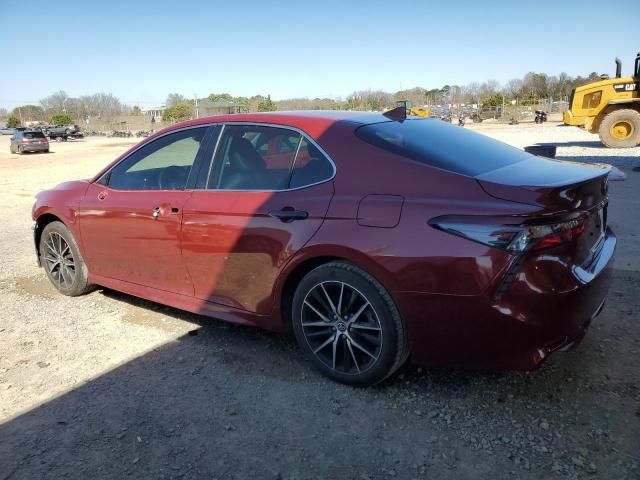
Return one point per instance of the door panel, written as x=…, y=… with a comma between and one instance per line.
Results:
x=234, y=250
x=131, y=228
x=127, y=240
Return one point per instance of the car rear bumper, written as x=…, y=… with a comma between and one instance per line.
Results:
x=35, y=147
x=517, y=331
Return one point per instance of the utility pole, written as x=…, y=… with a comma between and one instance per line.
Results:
x=195, y=96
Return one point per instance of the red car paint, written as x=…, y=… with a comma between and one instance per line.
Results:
x=220, y=254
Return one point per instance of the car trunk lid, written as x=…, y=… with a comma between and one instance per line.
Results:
x=555, y=186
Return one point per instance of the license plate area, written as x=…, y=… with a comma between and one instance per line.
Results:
x=596, y=227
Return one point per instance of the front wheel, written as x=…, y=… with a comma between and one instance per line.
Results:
x=61, y=259
x=347, y=324
x=621, y=129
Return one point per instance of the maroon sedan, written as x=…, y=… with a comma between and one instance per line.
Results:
x=373, y=237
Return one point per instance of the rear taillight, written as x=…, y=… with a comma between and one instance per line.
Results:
x=44, y=140
x=25, y=141
x=512, y=238
x=539, y=237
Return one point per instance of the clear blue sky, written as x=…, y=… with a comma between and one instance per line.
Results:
x=142, y=50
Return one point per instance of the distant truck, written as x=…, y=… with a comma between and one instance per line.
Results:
x=62, y=133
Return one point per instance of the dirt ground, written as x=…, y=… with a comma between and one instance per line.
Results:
x=110, y=386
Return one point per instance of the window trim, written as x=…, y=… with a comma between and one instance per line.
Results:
x=302, y=134
x=204, y=150
x=105, y=178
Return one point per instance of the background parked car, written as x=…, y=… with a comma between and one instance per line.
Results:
x=7, y=131
x=62, y=132
x=29, y=141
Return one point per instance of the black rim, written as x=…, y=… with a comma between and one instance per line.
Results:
x=341, y=327
x=59, y=260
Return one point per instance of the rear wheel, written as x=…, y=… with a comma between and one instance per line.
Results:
x=621, y=129
x=20, y=150
x=61, y=259
x=347, y=325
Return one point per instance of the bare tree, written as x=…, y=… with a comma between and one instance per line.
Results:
x=55, y=103
x=513, y=88
x=471, y=93
x=175, y=98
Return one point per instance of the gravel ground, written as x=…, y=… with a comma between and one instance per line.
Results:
x=110, y=386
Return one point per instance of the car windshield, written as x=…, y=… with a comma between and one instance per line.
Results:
x=32, y=135
x=442, y=145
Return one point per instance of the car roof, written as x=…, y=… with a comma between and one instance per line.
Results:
x=314, y=122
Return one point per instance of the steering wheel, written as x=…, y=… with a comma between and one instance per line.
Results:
x=172, y=178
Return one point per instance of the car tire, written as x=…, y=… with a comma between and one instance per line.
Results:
x=620, y=129
x=20, y=150
x=61, y=260
x=348, y=325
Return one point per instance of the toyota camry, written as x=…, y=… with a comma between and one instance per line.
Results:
x=374, y=237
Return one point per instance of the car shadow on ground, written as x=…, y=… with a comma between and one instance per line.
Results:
x=616, y=161
x=585, y=144
x=227, y=401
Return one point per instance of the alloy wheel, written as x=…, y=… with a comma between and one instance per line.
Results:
x=341, y=327
x=59, y=260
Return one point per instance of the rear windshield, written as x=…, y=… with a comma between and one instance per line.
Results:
x=441, y=144
x=32, y=135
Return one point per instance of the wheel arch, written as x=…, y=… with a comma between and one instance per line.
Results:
x=313, y=258
x=632, y=103
x=41, y=222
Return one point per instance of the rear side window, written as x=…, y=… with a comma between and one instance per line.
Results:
x=258, y=157
x=442, y=145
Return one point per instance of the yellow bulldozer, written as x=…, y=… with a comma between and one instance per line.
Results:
x=609, y=107
x=415, y=111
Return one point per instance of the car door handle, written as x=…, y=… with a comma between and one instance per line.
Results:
x=156, y=212
x=288, y=215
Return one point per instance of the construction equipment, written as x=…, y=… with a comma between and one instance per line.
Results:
x=609, y=107
x=415, y=111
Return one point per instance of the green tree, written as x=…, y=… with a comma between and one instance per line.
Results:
x=220, y=97
x=529, y=98
x=135, y=111
x=495, y=100
x=13, y=122
x=61, y=119
x=29, y=113
x=177, y=113
x=267, y=105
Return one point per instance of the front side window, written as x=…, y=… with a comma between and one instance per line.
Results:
x=163, y=164
x=256, y=157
